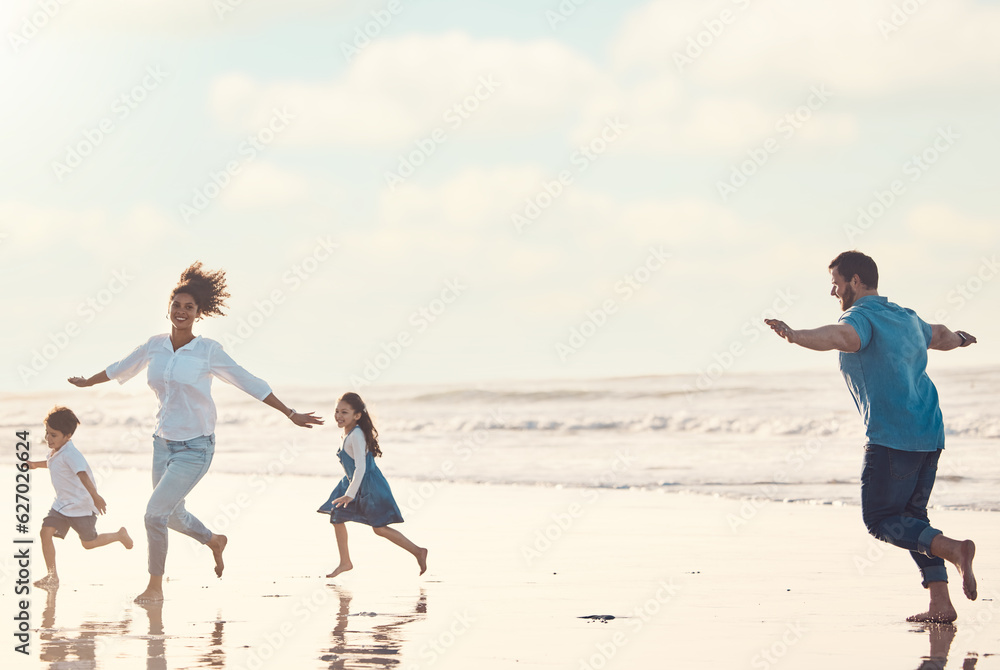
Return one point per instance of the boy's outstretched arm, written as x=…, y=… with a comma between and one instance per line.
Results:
x=37, y=464
x=839, y=336
x=89, y=485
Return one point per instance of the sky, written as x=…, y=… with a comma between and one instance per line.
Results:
x=464, y=192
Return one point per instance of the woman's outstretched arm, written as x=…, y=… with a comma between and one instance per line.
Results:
x=304, y=419
x=99, y=378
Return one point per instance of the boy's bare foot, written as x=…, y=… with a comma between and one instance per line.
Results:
x=343, y=567
x=935, y=615
x=966, y=553
x=49, y=581
x=150, y=595
x=218, y=544
x=124, y=538
x=422, y=560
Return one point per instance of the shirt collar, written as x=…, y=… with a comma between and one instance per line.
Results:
x=869, y=298
x=170, y=346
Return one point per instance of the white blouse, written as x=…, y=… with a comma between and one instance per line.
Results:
x=356, y=448
x=182, y=381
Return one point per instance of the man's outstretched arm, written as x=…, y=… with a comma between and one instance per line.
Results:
x=943, y=339
x=839, y=336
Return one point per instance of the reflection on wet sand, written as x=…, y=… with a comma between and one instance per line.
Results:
x=379, y=646
x=941, y=636
x=156, y=643
x=81, y=651
x=100, y=641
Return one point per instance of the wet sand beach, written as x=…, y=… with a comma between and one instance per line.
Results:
x=691, y=581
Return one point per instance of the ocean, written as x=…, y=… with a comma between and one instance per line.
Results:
x=773, y=437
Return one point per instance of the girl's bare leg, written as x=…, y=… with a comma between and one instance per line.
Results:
x=345, y=558
x=400, y=540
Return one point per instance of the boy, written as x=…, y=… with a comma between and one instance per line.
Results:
x=77, y=501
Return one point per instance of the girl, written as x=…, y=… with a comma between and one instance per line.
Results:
x=363, y=495
x=180, y=367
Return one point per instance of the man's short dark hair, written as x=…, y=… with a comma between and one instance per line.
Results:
x=851, y=263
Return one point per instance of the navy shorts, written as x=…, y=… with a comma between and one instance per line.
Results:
x=85, y=526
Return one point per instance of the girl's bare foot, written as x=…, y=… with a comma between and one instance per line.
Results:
x=124, y=538
x=343, y=567
x=218, y=544
x=150, y=595
x=49, y=581
x=422, y=560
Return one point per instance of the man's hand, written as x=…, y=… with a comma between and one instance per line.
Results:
x=943, y=339
x=967, y=339
x=782, y=329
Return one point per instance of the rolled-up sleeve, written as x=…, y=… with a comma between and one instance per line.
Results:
x=128, y=367
x=862, y=326
x=225, y=368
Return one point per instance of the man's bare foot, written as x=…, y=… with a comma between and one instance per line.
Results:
x=935, y=615
x=49, y=581
x=124, y=538
x=150, y=595
x=343, y=567
x=218, y=544
x=966, y=553
x=422, y=560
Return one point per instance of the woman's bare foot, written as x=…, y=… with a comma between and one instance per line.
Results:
x=965, y=555
x=124, y=538
x=343, y=567
x=422, y=560
x=49, y=581
x=150, y=595
x=218, y=544
x=935, y=615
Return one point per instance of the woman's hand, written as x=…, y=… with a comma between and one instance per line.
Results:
x=99, y=378
x=306, y=419
x=343, y=501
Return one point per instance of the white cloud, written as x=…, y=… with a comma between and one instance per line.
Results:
x=161, y=17
x=936, y=224
x=400, y=89
x=33, y=229
x=852, y=46
x=262, y=184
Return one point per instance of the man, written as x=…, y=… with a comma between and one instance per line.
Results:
x=884, y=359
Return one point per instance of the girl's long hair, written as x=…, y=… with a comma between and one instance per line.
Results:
x=365, y=422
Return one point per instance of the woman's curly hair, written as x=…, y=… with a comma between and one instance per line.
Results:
x=207, y=288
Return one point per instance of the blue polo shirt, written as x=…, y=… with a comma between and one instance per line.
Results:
x=888, y=376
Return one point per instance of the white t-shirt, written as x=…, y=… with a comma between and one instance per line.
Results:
x=72, y=497
x=182, y=381
x=356, y=448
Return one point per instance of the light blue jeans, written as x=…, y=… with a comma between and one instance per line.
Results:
x=177, y=468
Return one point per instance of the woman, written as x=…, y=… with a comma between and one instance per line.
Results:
x=180, y=367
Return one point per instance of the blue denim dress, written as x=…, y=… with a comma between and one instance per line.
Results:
x=374, y=505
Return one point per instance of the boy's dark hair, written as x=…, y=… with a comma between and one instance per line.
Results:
x=63, y=420
x=851, y=263
x=207, y=288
